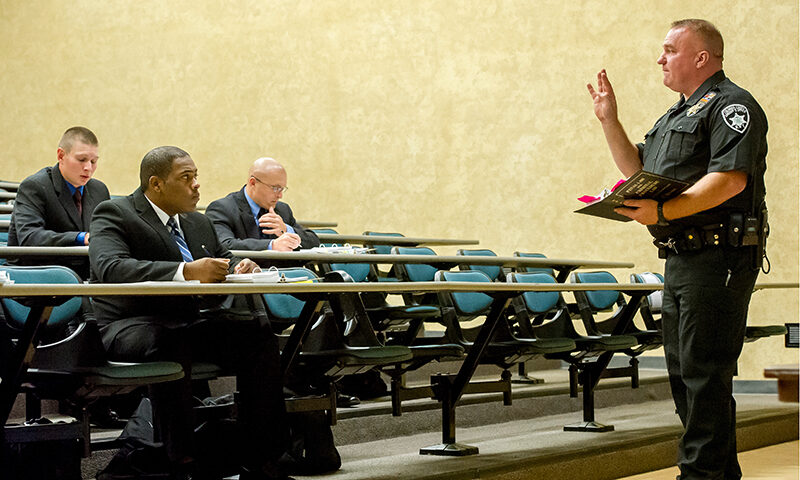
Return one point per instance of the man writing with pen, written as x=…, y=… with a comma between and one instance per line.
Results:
x=254, y=218
x=155, y=234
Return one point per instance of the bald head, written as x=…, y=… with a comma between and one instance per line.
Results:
x=266, y=182
x=265, y=165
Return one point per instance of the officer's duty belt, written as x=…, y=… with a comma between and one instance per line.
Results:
x=693, y=239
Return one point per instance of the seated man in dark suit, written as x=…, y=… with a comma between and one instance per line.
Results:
x=155, y=234
x=53, y=208
x=254, y=218
x=54, y=205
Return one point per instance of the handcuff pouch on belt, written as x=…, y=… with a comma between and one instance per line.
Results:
x=693, y=239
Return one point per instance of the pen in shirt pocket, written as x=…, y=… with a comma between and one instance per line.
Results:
x=205, y=250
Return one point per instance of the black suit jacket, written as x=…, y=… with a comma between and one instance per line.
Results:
x=237, y=228
x=130, y=244
x=45, y=215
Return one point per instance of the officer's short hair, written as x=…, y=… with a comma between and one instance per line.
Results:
x=707, y=31
x=158, y=162
x=73, y=134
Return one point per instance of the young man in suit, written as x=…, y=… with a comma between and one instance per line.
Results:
x=54, y=205
x=254, y=218
x=155, y=234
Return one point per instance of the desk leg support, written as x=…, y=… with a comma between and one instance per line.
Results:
x=21, y=358
x=589, y=424
x=448, y=388
x=523, y=377
x=443, y=388
x=591, y=374
x=300, y=331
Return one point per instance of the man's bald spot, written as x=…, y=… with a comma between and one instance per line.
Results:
x=264, y=165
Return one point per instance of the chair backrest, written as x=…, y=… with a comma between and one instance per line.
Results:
x=546, y=270
x=16, y=313
x=536, y=302
x=652, y=301
x=325, y=230
x=598, y=299
x=357, y=271
x=467, y=303
x=491, y=271
x=416, y=272
x=284, y=306
x=382, y=249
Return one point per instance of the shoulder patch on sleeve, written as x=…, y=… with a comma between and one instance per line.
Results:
x=736, y=116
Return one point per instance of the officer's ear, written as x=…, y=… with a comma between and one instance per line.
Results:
x=702, y=59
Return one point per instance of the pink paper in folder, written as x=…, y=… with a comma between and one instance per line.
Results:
x=603, y=194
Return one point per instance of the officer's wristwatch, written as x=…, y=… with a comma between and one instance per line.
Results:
x=660, y=212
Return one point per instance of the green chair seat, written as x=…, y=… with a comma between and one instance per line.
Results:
x=412, y=312
x=441, y=351
x=206, y=371
x=605, y=343
x=755, y=332
x=539, y=346
x=362, y=355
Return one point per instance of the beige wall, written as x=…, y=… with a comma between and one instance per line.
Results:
x=433, y=118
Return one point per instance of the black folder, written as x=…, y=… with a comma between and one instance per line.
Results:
x=640, y=185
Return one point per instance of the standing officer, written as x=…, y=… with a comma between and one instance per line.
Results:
x=712, y=235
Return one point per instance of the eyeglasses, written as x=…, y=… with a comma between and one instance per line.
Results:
x=275, y=188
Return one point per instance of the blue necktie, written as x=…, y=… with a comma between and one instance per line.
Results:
x=182, y=246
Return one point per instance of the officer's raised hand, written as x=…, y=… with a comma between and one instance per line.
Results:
x=605, y=103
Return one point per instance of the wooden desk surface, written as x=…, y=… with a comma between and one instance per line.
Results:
x=189, y=288
x=390, y=240
x=303, y=257
x=317, y=224
x=17, y=252
x=313, y=257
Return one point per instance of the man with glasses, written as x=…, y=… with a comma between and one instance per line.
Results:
x=254, y=218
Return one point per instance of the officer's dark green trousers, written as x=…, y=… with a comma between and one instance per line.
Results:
x=706, y=295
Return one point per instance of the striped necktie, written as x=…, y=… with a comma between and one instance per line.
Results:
x=77, y=198
x=176, y=235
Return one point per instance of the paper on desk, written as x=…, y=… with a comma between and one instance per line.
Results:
x=346, y=248
x=270, y=276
